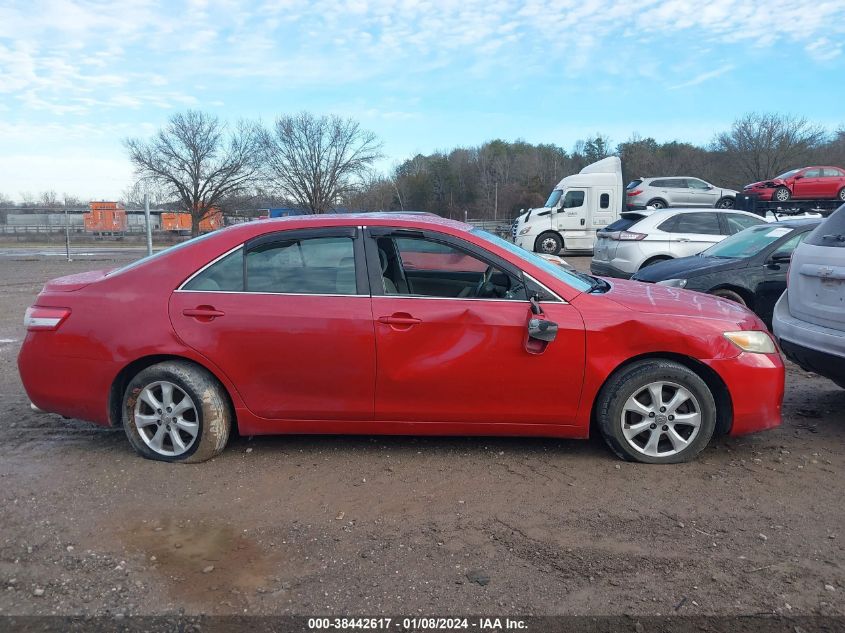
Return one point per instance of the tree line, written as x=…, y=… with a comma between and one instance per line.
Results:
x=197, y=162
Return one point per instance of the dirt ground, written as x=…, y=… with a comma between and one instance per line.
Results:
x=359, y=525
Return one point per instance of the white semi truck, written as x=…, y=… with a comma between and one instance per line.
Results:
x=580, y=205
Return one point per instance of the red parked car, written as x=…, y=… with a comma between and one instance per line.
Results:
x=808, y=183
x=317, y=324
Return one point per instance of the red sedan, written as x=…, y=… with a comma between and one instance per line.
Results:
x=391, y=324
x=808, y=183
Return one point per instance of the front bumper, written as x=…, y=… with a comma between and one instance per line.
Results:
x=606, y=269
x=756, y=385
x=764, y=195
x=525, y=241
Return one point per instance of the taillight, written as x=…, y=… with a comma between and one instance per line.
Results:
x=40, y=318
x=635, y=192
x=629, y=235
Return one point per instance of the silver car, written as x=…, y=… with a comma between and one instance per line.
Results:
x=641, y=238
x=809, y=317
x=677, y=191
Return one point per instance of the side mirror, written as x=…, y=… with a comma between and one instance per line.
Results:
x=780, y=258
x=797, y=176
x=542, y=330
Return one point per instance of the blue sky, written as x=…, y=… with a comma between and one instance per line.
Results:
x=76, y=77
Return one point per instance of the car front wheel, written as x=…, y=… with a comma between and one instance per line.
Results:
x=176, y=412
x=656, y=412
x=782, y=194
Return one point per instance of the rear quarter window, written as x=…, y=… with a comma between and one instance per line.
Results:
x=831, y=232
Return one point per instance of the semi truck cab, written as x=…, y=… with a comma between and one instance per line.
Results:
x=578, y=206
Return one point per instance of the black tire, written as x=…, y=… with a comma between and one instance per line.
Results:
x=654, y=260
x=211, y=410
x=730, y=295
x=549, y=243
x=725, y=203
x=781, y=194
x=657, y=203
x=634, y=378
x=841, y=194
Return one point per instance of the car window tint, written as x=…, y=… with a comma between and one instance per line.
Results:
x=623, y=223
x=431, y=268
x=634, y=184
x=573, y=199
x=421, y=254
x=657, y=183
x=321, y=265
x=675, y=183
x=604, y=201
x=737, y=222
x=669, y=225
x=226, y=274
x=789, y=245
x=831, y=232
x=700, y=223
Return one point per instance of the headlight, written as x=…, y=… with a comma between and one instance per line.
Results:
x=752, y=341
x=673, y=283
x=526, y=229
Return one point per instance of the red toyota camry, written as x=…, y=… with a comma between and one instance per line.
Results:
x=391, y=324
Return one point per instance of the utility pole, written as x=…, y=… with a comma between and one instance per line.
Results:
x=496, y=203
x=148, y=225
x=67, y=234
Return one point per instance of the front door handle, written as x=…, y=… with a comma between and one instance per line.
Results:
x=683, y=239
x=203, y=313
x=399, y=319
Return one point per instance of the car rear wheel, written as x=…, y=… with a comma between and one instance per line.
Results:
x=724, y=293
x=725, y=203
x=657, y=204
x=781, y=194
x=176, y=412
x=841, y=194
x=548, y=244
x=657, y=412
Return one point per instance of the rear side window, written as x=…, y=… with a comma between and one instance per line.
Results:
x=832, y=172
x=623, y=223
x=737, y=222
x=698, y=223
x=226, y=275
x=634, y=184
x=831, y=232
x=321, y=265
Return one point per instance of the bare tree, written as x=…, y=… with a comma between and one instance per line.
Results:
x=762, y=145
x=317, y=161
x=198, y=161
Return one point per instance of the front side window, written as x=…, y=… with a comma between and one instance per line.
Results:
x=813, y=173
x=573, y=199
x=320, y=265
x=421, y=266
x=697, y=184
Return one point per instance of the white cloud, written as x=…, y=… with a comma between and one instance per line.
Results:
x=705, y=76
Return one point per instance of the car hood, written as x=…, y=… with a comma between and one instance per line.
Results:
x=686, y=267
x=654, y=299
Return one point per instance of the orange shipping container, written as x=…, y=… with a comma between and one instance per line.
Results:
x=212, y=221
x=105, y=217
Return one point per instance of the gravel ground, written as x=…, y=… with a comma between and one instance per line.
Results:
x=340, y=525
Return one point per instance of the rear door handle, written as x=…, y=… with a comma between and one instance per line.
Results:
x=203, y=312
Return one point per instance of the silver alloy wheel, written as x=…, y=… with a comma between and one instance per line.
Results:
x=782, y=194
x=842, y=194
x=657, y=204
x=166, y=418
x=549, y=246
x=661, y=419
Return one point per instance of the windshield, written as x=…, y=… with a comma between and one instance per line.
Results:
x=747, y=243
x=554, y=198
x=575, y=280
x=789, y=173
x=164, y=251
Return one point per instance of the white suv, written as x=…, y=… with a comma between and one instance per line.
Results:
x=641, y=238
